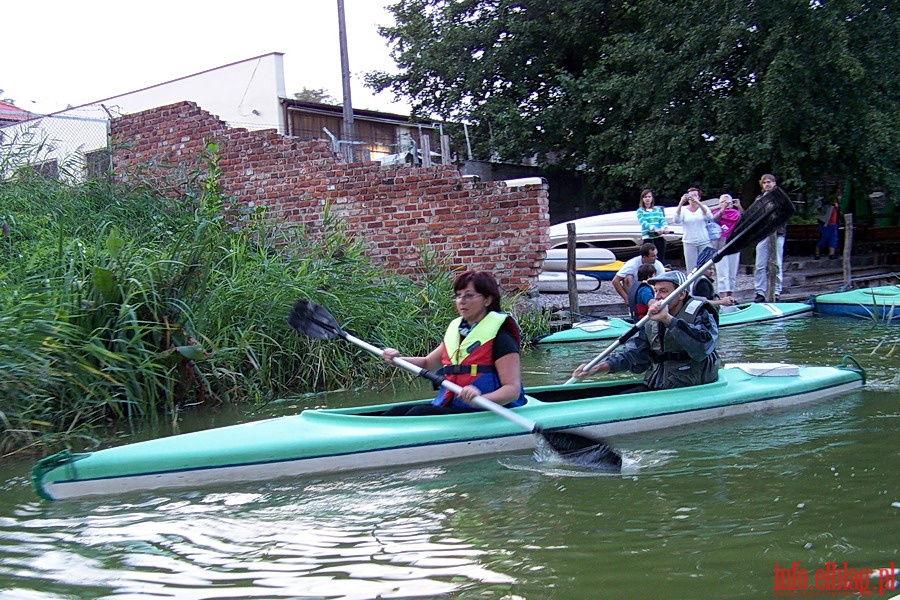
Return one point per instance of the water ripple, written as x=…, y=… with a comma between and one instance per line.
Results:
x=367, y=537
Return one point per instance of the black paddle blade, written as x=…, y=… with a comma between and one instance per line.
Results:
x=706, y=255
x=583, y=451
x=310, y=319
x=765, y=215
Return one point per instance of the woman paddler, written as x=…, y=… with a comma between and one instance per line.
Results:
x=480, y=352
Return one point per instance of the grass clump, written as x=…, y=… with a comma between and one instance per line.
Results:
x=122, y=306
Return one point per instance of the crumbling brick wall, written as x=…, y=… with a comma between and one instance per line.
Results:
x=397, y=210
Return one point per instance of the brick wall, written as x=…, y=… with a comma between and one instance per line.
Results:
x=397, y=210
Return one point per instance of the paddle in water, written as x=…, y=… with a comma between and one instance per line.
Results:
x=310, y=319
x=765, y=215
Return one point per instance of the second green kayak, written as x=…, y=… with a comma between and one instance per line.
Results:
x=613, y=328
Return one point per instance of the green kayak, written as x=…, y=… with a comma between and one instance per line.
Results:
x=337, y=440
x=743, y=314
x=879, y=303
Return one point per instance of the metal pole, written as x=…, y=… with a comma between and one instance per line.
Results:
x=347, y=134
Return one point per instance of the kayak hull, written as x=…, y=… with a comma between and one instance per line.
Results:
x=557, y=259
x=613, y=328
x=603, y=272
x=881, y=303
x=552, y=282
x=338, y=440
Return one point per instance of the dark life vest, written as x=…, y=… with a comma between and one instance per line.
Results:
x=670, y=365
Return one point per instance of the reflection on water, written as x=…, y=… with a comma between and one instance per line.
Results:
x=701, y=511
x=361, y=537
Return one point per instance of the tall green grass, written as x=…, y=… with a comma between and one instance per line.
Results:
x=119, y=305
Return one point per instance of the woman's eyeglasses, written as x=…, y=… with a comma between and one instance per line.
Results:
x=465, y=297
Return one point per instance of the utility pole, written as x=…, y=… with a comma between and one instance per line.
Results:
x=347, y=134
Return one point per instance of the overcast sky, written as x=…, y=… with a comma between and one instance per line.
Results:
x=60, y=53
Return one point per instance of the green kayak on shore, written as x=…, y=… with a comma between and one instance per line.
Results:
x=880, y=303
x=336, y=440
x=743, y=314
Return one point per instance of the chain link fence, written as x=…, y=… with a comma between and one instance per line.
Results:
x=71, y=145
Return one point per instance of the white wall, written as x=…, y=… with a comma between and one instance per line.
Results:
x=243, y=94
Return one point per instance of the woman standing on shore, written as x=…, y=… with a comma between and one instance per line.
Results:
x=693, y=217
x=653, y=224
x=727, y=216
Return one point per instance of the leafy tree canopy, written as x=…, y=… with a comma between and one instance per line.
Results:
x=315, y=95
x=662, y=93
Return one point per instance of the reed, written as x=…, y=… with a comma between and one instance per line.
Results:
x=123, y=307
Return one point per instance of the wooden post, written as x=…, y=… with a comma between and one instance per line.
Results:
x=425, y=142
x=446, y=159
x=848, y=247
x=570, y=270
x=772, y=268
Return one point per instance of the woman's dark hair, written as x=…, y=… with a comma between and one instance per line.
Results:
x=652, y=198
x=483, y=282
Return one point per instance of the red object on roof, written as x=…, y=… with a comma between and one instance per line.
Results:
x=10, y=113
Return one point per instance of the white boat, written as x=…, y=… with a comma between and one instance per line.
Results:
x=558, y=258
x=556, y=282
x=619, y=232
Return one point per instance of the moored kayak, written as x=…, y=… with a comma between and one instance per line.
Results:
x=336, y=440
x=744, y=314
x=880, y=303
x=558, y=258
x=552, y=282
x=603, y=272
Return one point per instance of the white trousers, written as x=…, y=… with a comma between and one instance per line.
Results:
x=727, y=269
x=691, y=252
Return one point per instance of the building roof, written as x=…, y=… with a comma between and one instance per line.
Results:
x=338, y=110
x=10, y=113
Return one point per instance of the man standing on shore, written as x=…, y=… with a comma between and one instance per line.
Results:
x=761, y=270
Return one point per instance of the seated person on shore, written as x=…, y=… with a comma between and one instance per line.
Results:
x=628, y=273
x=676, y=347
x=705, y=286
x=480, y=352
x=641, y=293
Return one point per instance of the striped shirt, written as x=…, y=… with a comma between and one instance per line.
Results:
x=655, y=217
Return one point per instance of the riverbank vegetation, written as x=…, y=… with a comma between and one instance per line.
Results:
x=120, y=307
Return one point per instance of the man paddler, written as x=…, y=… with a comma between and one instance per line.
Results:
x=676, y=347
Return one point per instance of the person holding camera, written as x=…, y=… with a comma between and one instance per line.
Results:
x=727, y=216
x=692, y=215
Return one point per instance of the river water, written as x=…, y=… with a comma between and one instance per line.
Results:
x=711, y=510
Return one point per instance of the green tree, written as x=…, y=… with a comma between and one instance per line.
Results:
x=315, y=95
x=662, y=92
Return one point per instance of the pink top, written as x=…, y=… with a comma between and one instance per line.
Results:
x=727, y=219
